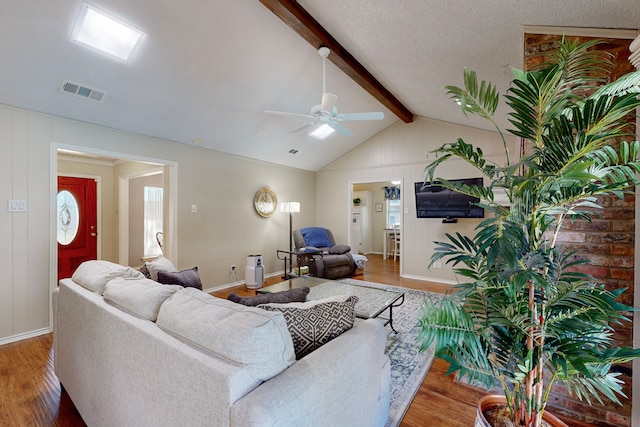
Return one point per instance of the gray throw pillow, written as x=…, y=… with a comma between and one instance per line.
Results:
x=292, y=295
x=185, y=278
x=339, y=249
x=317, y=322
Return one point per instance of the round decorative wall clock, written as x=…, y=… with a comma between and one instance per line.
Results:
x=265, y=202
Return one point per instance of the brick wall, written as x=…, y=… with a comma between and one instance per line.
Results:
x=608, y=243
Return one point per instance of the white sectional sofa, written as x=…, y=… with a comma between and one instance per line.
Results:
x=131, y=352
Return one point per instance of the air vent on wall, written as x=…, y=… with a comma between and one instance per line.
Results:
x=82, y=91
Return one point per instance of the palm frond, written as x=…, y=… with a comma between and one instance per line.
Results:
x=524, y=305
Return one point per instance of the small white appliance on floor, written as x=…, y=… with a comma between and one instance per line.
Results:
x=254, y=272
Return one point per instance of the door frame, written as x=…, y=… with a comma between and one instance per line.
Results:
x=171, y=221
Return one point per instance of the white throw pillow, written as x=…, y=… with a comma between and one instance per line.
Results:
x=160, y=263
x=95, y=274
x=140, y=297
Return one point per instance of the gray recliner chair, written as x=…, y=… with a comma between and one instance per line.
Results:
x=336, y=260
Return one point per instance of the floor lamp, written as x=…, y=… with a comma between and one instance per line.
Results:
x=291, y=208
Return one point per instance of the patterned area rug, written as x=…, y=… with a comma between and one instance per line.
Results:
x=408, y=365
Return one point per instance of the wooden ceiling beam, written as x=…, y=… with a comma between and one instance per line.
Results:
x=306, y=26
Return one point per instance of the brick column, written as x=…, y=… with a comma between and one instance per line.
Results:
x=608, y=243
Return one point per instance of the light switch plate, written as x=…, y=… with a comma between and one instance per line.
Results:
x=16, y=205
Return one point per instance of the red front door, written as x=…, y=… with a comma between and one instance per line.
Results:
x=76, y=223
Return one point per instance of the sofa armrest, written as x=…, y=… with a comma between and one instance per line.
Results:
x=343, y=383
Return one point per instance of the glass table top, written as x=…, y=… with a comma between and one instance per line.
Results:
x=371, y=301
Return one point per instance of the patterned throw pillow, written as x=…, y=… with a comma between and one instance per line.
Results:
x=145, y=271
x=315, y=323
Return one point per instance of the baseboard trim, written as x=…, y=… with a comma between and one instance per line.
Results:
x=237, y=283
x=429, y=279
x=24, y=336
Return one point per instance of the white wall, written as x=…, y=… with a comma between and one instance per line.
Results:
x=401, y=153
x=223, y=232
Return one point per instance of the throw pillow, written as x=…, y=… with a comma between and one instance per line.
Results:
x=316, y=236
x=315, y=323
x=339, y=249
x=160, y=263
x=185, y=278
x=291, y=295
x=145, y=271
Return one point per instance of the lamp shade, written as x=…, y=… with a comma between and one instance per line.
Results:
x=290, y=207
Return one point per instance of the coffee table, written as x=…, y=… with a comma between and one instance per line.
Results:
x=372, y=302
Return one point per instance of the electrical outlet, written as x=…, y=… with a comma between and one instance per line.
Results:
x=437, y=264
x=233, y=267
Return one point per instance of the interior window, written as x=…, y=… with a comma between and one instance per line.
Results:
x=152, y=220
x=393, y=212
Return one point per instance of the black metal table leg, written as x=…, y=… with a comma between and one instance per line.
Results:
x=391, y=313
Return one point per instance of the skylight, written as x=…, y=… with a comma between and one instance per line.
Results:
x=322, y=132
x=105, y=33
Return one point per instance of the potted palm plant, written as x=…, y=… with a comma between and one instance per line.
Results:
x=523, y=317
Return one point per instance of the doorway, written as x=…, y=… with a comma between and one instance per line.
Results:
x=370, y=213
x=100, y=165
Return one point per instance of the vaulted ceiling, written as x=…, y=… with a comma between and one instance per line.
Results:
x=207, y=70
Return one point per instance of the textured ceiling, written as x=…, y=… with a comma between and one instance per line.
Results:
x=209, y=69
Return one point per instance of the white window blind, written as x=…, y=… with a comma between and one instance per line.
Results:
x=153, y=208
x=394, y=209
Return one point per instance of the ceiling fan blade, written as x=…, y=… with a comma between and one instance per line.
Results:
x=360, y=116
x=283, y=113
x=328, y=102
x=340, y=128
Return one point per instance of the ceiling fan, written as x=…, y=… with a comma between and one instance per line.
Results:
x=326, y=112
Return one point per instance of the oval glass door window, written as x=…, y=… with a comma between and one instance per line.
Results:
x=67, y=220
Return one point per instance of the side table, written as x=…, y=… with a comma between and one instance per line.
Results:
x=303, y=256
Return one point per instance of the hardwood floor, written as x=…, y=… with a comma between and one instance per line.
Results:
x=30, y=393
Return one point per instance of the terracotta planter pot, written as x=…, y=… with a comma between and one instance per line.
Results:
x=492, y=400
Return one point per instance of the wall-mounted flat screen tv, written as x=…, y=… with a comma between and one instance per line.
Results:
x=435, y=201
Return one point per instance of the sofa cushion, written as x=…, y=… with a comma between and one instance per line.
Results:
x=315, y=323
x=254, y=338
x=186, y=278
x=140, y=297
x=316, y=236
x=160, y=263
x=95, y=274
x=292, y=295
